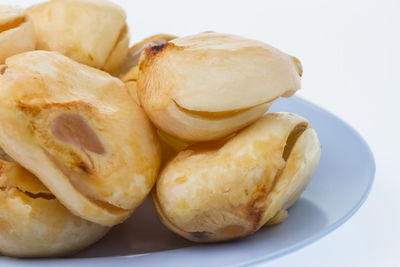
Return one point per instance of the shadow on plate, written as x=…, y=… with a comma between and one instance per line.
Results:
x=305, y=219
x=144, y=233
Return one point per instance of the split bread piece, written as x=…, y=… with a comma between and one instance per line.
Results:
x=77, y=129
x=92, y=32
x=33, y=222
x=228, y=189
x=17, y=33
x=206, y=86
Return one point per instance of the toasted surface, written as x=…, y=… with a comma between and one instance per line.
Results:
x=78, y=130
x=132, y=58
x=83, y=37
x=35, y=224
x=229, y=189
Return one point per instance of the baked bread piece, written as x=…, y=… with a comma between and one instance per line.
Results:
x=33, y=222
x=206, y=86
x=230, y=188
x=77, y=129
x=17, y=33
x=92, y=32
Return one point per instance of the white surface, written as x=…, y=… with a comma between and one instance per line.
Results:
x=350, y=52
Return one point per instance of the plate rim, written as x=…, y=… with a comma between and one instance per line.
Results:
x=262, y=259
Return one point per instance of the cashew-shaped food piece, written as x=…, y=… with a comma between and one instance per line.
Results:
x=92, y=32
x=17, y=33
x=33, y=222
x=207, y=86
x=77, y=129
x=229, y=189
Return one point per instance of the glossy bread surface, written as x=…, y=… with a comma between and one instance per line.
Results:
x=79, y=131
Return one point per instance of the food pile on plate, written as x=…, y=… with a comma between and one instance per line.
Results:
x=90, y=127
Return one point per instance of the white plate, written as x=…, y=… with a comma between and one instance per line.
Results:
x=337, y=190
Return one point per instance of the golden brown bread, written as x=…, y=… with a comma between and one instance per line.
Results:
x=97, y=37
x=206, y=86
x=33, y=223
x=229, y=189
x=78, y=130
x=127, y=70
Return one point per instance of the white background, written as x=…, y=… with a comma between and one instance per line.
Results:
x=350, y=52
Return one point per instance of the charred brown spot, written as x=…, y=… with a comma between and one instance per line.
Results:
x=132, y=59
x=73, y=129
x=84, y=167
x=157, y=48
x=200, y=235
x=154, y=50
